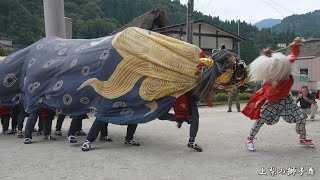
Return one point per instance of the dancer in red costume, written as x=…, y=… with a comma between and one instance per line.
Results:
x=273, y=101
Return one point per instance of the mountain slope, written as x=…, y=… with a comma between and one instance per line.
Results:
x=306, y=25
x=267, y=23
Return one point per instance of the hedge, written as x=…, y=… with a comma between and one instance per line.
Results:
x=224, y=96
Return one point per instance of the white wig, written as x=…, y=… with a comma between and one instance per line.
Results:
x=264, y=68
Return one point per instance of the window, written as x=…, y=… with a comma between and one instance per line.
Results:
x=304, y=75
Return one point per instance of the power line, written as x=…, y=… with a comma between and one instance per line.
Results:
x=283, y=7
x=196, y=3
x=274, y=8
x=207, y=6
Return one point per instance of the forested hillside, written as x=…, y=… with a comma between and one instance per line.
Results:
x=306, y=25
x=23, y=21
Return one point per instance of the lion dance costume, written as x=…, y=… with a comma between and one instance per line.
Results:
x=128, y=78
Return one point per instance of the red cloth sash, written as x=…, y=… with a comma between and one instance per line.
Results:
x=181, y=107
x=4, y=110
x=46, y=112
x=252, y=109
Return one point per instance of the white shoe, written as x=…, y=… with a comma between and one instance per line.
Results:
x=250, y=144
x=72, y=139
x=58, y=133
x=86, y=146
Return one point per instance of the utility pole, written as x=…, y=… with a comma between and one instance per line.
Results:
x=54, y=18
x=190, y=21
x=239, y=35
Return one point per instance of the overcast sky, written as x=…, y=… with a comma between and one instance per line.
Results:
x=254, y=10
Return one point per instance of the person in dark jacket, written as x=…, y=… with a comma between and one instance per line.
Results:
x=308, y=104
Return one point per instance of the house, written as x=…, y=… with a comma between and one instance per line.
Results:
x=207, y=36
x=6, y=43
x=307, y=66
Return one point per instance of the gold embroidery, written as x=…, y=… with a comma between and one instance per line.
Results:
x=169, y=66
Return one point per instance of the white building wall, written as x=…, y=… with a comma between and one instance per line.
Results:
x=207, y=42
x=6, y=42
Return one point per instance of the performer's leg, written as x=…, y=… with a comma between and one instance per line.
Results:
x=255, y=128
x=40, y=126
x=21, y=117
x=168, y=116
x=305, y=112
x=80, y=124
x=270, y=114
x=172, y=117
x=104, y=134
x=80, y=131
x=5, y=121
x=31, y=121
x=59, y=124
x=74, y=127
x=314, y=108
x=104, y=131
x=194, y=126
x=97, y=126
x=301, y=128
x=47, y=127
x=253, y=132
x=237, y=101
x=131, y=129
x=229, y=101
x=14, y=118
x=93, y=134
x=293, y=114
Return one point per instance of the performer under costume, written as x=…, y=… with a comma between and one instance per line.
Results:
x=273, y=99
x=45, y=115
x=129, y=78
x=5, y=119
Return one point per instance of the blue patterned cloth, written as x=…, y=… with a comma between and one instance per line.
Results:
x=50, y=72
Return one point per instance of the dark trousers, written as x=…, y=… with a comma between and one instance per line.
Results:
x=193, y=111
x=76, y=125
x=40, y=124
x=168, y=117
x=5, y=122
x=60, y=122
x=31, y=121
x=14, y=117
x=104, y=131
x=80, y=124
x=21, y=117
x=97, y=126
x=194, y=126
x=131, y=129
x=46, y=124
